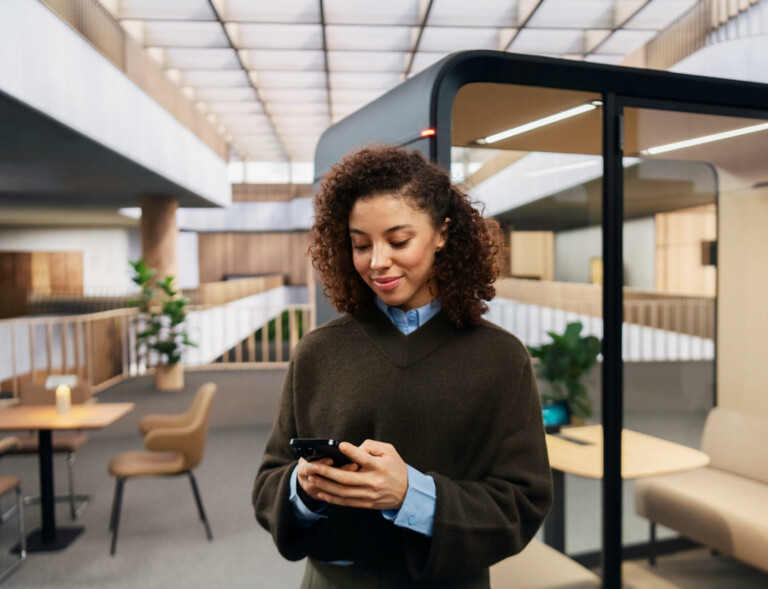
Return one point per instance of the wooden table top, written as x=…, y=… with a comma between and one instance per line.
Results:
x=641, y=455
x=88, y=416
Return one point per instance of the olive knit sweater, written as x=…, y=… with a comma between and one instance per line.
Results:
x=459, y=404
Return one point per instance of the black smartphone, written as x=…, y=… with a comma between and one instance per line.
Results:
x=315, y=448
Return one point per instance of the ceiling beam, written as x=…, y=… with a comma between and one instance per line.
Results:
x=418, y=40
x=325, y=61
x=523, y=24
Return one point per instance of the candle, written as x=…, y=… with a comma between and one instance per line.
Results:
x=63, y=399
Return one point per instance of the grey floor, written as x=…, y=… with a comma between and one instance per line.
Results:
x=163, y=544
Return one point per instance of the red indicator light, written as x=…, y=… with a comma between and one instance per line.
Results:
x=427, y=132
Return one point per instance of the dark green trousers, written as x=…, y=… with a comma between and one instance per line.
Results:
x=318, y=575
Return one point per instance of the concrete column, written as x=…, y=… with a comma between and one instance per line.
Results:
x=159, y=234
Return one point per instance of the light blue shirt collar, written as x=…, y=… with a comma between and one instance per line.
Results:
x=409, y=321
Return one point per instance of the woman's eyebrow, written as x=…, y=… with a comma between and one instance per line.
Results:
x=390, y=230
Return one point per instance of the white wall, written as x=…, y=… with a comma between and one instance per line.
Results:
x=189, y=263
x=574, y=249
x=47, y=65
x=105, y=252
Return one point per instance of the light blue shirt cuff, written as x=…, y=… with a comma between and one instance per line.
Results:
x=305, y=516
x=417, y=512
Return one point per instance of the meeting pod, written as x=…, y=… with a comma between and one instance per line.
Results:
x=634, y=203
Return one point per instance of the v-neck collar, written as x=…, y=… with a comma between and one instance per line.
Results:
x=404, y=350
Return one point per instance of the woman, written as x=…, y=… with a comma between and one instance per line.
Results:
x=438, y=408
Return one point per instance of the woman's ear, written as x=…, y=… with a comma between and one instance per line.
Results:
x=443, y=234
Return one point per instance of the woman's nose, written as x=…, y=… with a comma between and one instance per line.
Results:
x=380, y=258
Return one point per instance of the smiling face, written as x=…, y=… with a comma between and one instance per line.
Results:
x=393, y=249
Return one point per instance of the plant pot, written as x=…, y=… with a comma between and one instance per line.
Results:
x=169, y=377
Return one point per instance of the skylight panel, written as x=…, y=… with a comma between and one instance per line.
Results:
x=610, y=59
x=223, y=108
x=624, y=41
x=581, y=14
x=557, y=41
x=299, y=108
x=210, y=78
x=484, y=13
x=282, y=11
x=225, y=94
x=271, y=95
x=272, y=79
x=458, y=39
x=352, y=38
x=367, y=61
x=166, y=9
x=184, y=34
x=355, y=96
x=657, y=14
x=201, y=58
x=364, y=80
x=422, y=60
x=276, y=36
x=266, y=59
x=391, y=12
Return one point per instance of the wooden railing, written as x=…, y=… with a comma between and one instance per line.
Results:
x=104, y=32
x=219, y=293
x=681, y=314
x=705, y=23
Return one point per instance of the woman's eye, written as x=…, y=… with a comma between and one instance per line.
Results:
x=360, y=248
x=401, y=243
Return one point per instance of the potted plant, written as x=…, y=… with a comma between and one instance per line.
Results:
x=144, y=278
x=562, y=363
x=163, y=332
x=169, y=337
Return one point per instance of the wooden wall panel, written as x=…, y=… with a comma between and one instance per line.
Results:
x=248, y=254
x=532, y=254
x=679, y=236
x=42, y=272
x=270, y=192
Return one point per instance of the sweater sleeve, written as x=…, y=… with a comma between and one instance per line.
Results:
x=272, y=487
x=478, y=523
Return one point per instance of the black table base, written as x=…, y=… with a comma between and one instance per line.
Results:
x=63, y=538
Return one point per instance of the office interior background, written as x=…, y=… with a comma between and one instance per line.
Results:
x=185, y=132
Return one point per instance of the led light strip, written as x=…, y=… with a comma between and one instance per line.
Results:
x=705, y=139
x=567, y=114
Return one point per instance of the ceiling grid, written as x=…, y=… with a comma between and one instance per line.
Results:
x=274, y=75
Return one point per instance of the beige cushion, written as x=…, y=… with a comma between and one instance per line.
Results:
x=719, y=509
x=137, y=464
x=539, y=566
x=8, y=483
x=736, y=443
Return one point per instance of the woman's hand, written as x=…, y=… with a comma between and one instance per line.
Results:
x=378, y=479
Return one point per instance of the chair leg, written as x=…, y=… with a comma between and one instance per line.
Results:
x=22, y=538
x=652, y=548
x=71, y=478
x=115, y=518
x=199, y=502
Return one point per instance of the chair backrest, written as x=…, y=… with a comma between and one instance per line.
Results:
x=201, y=419
x=33, y=393
x=188, y=439
x=736, y=442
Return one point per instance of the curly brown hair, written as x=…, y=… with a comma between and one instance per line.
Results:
x=464, y=269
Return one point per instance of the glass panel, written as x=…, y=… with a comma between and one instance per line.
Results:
x=423, y=60
x=533, y=158
x=225, y=94
x=162, y=9
x=292, y=11
x=626, y=41
x=371, y=81
x=342, y=38
x=484, y=13
x=273, y=79
x=548, y=41
x=367, y=61
x=696, y=209
x=274, y=36
x=458, y=39
x=264, y=59
x=582, y=14
x=201, y=58
x=391, y=12
x=214, y=78
x=184, y=34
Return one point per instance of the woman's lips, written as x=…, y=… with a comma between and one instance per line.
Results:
x=386, y=284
